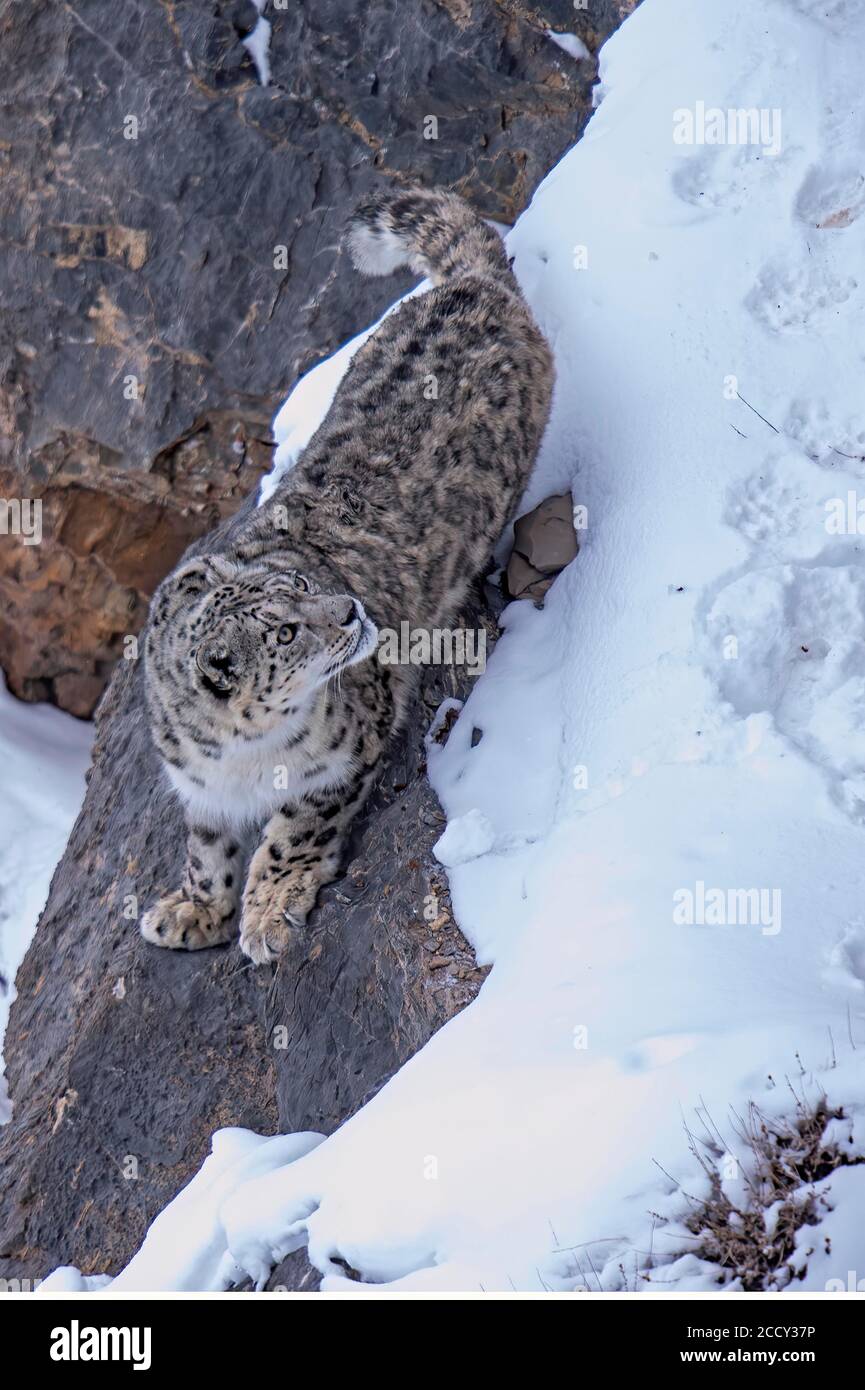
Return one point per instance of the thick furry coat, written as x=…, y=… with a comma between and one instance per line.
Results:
x=267, y=701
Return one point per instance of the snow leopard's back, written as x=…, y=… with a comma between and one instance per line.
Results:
x=408, y=483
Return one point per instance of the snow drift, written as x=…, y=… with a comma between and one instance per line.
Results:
x=44, y=755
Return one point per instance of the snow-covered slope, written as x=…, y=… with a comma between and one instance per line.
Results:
x=43, y=754
x=681, y=724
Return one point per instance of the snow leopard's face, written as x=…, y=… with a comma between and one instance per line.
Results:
x=254, y=643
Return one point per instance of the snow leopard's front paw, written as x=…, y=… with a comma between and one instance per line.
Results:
x=182, y=924
x=272, y=916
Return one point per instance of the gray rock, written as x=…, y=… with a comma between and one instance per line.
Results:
x=172, y=262
x=122, y=1058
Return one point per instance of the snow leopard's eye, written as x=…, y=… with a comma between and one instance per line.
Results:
x=302, y=583
x=285, y=633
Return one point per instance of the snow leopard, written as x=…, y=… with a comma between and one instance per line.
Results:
x=267, y=702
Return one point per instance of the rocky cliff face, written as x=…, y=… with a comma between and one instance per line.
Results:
x=171, y=262
x=122, y=1059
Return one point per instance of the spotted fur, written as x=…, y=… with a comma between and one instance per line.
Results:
x=266, y=702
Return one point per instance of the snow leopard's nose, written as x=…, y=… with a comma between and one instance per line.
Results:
x=215, y=659
x=220, y=660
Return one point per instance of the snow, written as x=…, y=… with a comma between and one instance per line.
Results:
x=44, y=755
x=466, y=837
x=68, y=1279
x=570, y=43
x=300, y=416
x=833, y=1254
x=680, y=723
x=187, y=1240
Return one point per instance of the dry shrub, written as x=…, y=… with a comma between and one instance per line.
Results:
x=786, y=1159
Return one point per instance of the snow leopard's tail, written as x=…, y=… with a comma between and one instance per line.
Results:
x=433, y=231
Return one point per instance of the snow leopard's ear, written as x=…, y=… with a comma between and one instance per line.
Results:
x=185, y=584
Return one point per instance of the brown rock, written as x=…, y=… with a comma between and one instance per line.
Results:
x=546, y=537
x=524, y=581
x=78, y=694
x=172, y=262
x=545, y=541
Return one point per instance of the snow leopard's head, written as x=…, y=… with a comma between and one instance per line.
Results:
x=252, y=642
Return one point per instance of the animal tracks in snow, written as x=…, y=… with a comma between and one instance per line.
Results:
x=799, y=296
x=786, y=637
x=830, y=200
x=829, y=12
x=804, y=292
x=782, y=509
x=725, y=177
x=829, y=439
x=790, y=640
x=786, y=634
x=846, y=965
